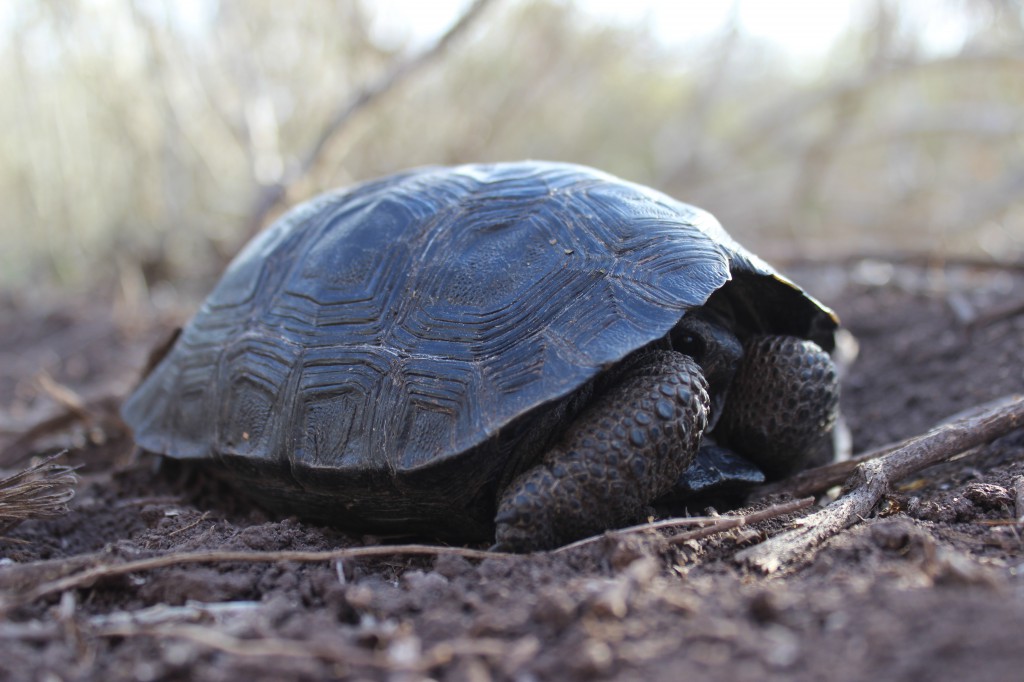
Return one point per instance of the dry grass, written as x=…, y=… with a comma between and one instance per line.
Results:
x=139, y=147
x=41, y=491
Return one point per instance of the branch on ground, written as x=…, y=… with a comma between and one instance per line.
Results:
x=28, y=590
x=873, y=479
x=818, y=480
x=710, y=525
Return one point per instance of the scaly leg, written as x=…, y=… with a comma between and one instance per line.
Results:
x=621, y=453
x=782, y=405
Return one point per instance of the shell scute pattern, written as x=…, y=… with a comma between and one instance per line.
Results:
x=405, y=321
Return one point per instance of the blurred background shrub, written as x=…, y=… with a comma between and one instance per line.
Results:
x=142, y=142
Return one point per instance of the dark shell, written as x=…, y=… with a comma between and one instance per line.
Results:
x=392, y=328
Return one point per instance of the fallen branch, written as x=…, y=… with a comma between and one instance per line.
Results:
x=149, y=617
x=90, y=576
x=819, y=479
x=995, y=314
x=27, y=593
x=871, y=480
x=335, y=651
x=264, y=647
x=38, y=492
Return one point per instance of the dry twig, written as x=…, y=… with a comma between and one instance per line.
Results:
x=1018, y=497
x=90, y=576
x=28, y=593
x=871, y=480
x=727, y=523
x=335, y=651
x=715, y=524
x=38, y=492
x=63, y=395
x=273, y=194
x=149, y=617
x=189, y=526
x=996, y=314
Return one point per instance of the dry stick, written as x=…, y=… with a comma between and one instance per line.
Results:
x=211, y=637
x=148, y=617
x=819, y=479
x=335, y=651
x=1018, y=497
x=717, y=524
x=996, y=314
x=215, y=638
x=872, y=480
x=272, y=194
x=869, y=483
x=772, y=512
x=63, y=395
x=89, y=576
x=189, y=526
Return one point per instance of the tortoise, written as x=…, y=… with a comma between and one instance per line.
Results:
x=529, y=351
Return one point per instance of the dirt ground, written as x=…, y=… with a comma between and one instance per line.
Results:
x=931, y=587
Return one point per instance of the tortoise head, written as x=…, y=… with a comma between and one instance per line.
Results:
x=706, y=335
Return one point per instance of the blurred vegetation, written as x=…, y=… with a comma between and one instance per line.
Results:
x=137, y=142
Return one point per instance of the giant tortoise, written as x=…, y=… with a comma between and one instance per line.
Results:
x=527, y=351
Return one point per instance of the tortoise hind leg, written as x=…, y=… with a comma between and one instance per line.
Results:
x=617, y=456
x=782, y=405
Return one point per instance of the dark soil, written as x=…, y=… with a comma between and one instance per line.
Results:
x=931, y=587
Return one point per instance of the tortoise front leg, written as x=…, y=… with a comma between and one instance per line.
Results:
x=615, y=458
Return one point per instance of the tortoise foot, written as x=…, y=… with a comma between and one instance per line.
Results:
x=620, y=454
x=782, y=405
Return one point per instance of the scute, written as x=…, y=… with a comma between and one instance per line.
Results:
x=403, y=323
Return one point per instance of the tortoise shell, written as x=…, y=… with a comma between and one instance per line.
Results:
x=388, y=354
